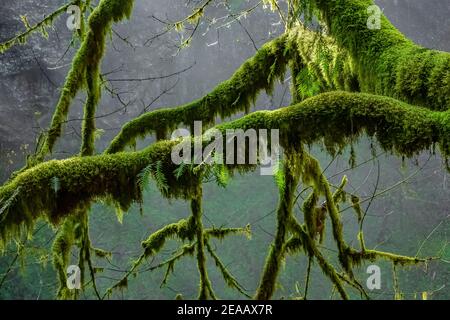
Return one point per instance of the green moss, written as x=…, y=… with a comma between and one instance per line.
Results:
x=93, y=98
x=309, y=213
x=38, y=27
x=205, y=288
x=184, y=229
x=385, y=61
x=228, y=98
x=221, y=233
x=230, y=280
x=404, y=129
x=291, y=172
x=324, y=65
x=84, y=72
x=61, y=250
x=310, y=247
x=351, y=57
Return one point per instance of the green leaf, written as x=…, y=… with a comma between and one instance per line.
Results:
x=144, y=177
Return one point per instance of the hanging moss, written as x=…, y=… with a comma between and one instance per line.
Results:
x=399, y=127
x=310, y=247
x=230, y=280
x=81, y=181
x=221, y=233
x=205, y=288
x=291, y=173
x=61, y=250
x=351, y=57
x=324, y=65
x=338, y=116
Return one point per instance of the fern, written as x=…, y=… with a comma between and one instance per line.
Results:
x=144, y=177
x=221, y=175
x=279, y=176
x=146, y=173
x=307, y=85
x=179, y=171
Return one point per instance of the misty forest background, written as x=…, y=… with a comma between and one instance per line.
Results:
x=410, y=218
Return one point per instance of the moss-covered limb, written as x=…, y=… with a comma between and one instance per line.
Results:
x=86, y=60
x=93, y=98
x=310, y=214
x=85, y=253
x=79, y=225
x=187, y=249
x=399, y=127
x=61, y=249
x=329, y=271
x=405, y=129
x=39, y=27
x=73, y=232
x=372, y=255
x=310, y=247
x=340, y=116
x=314, y=175
x=221, y=233
x=205, y=287
x=386, y=61
x=275, y=257
x=229, y=97
x=80, y=180
x=123, y=282
x=183, y=229
x=335, y=218
x=230, y=280
x=348, y=256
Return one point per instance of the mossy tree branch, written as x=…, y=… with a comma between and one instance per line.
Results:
x=84, y=72
x=291, y=175
x=38, y=27
x=231, y=96
x=351, y=57
x=334, y=117
x=386, y=62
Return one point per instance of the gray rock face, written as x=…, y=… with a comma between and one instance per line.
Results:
x=28, y=87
